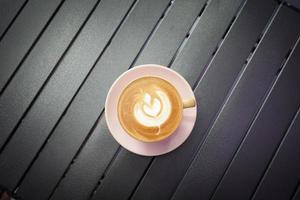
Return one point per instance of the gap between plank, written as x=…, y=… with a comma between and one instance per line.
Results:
x=275, y=154
x=86, y=77
x=277, y=75
x=30, y=49
x=12, y=21
x=187, y=36
x=39, y=91
x=43, y=86
x=239, y=76
x=286, y=132
x=63, y=114
x=105, y=172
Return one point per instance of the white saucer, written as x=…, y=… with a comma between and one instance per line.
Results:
x=149, y=148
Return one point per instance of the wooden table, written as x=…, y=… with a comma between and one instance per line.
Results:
x=58, y=59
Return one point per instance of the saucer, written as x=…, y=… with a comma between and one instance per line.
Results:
x=149, y=148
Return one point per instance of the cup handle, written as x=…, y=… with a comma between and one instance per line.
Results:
x=188, y=103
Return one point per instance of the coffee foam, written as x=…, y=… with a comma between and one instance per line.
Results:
x=153, y=111
x=149, y=108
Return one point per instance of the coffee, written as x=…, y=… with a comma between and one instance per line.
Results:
x=150, y=109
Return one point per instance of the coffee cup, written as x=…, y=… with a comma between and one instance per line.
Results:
x=150, y=108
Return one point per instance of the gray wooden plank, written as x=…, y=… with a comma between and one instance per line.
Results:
x=8, y=12
x=115, y=185
x=86, y=106
x=222, y=140
x=210, y=93
x=25, y=85
x=98, y=153
x=22, y=35
x=40, y=62
x=36, y=69
x=12, y=50
x=167, y=38
x=282, y=176
x=210, y=29
x=262, y=139
x=80, y=59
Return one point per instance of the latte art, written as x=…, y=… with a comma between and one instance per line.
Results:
x=149, y=108
x=153, y=111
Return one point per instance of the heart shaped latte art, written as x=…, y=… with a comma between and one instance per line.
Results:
x=149, y=108
x=153, y=111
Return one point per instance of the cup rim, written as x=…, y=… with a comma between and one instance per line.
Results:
x=146, y=66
